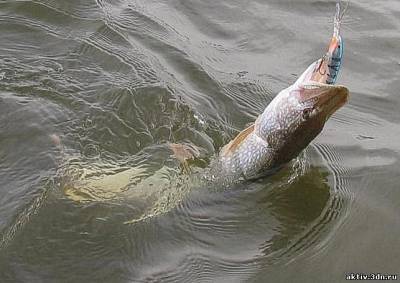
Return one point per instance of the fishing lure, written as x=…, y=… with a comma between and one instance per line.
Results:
x=327, y=68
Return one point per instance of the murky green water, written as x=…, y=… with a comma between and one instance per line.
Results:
x=116, y=80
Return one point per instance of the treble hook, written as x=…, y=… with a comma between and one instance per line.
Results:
x=320, y=66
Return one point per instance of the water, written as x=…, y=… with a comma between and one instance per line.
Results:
x=116, y=80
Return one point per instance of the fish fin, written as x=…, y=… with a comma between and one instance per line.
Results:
x=237, y=141
x=183, y=153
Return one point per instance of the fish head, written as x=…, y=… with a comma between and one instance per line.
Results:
x=316, y=102
x=297, y=115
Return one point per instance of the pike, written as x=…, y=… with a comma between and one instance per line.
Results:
x=287, y=125
x=290, y=122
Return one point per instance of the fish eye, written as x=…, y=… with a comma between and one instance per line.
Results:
x=306, y=113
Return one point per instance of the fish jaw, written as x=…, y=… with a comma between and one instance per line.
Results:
x=324, y=99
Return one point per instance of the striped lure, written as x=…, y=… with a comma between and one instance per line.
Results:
x=327, y=68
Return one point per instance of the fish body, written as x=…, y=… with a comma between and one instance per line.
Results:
x=291, y=121
x=288, y=124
